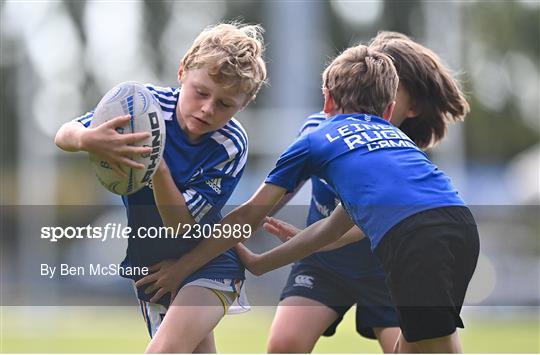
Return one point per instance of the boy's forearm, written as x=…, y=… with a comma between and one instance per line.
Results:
x=353, y=235
x=170, y=201
x=285, y=199
x=306, y=242
x=208, y=249
x=70, y=137
x=205, y=251
x=250, y=213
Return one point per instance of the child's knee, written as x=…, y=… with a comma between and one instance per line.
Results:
x=288, y=343
x=165, y=347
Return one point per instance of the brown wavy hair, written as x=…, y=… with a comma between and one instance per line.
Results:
x=436, y=93
x=361, y=80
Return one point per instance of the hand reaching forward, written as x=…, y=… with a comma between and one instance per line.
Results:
x=282, y=230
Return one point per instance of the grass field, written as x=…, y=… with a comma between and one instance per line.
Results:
x=121, y=330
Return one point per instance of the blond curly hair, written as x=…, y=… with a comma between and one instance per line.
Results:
x=233, y=55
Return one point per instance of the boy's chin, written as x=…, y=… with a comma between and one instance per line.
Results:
x=198, y=131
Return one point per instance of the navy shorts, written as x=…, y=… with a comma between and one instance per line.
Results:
x=374, y=307
x=430, y=258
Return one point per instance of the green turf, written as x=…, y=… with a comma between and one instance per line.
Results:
x=98, y=330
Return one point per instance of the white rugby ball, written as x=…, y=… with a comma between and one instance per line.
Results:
x=134, y=99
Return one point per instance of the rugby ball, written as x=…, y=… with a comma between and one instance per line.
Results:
x=134, y=99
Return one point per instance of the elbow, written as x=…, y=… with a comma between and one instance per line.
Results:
x=58, y=137
x=61, y=139
x=69, y=137
x=256, y=271
x=58, y=141
x=259, y=270
x=263, y=266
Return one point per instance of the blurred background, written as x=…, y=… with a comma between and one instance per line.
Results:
x=58, y=58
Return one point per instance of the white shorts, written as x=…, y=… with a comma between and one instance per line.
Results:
x=231, y=293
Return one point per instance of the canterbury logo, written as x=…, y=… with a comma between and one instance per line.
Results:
x=304, y=281
x=215, y=184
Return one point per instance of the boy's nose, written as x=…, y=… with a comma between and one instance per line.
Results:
x=208, y=108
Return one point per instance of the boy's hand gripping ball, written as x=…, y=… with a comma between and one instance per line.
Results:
x=134, y=99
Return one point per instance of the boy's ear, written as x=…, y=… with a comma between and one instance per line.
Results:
x=387, y=113
x=329, y=103
x=180, y=73
x=413, y=111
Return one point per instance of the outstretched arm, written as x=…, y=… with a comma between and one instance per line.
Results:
x=285, y=231
x=285, y=199
x=252, y=212
x=289, y=171
x=353, y=235
x=305, y=243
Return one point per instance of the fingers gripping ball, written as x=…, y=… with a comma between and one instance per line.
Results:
x=135, y=100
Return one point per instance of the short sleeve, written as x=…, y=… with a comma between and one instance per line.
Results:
x=197, y=203
x=312, y=123
x=206, y=198
x=85, y=119
x=207, y=195
x=292, y=166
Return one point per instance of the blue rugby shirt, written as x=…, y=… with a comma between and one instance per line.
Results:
x=352, y=261
x=205, y=172
x=379, y=174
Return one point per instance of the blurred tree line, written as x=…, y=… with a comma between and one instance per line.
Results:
x=507, y=33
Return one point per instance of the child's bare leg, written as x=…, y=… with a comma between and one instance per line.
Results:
x=298, y=324
x=404, y=347
x=387, y=337
x=446, y=344
x=207, y=346
x=190, y=319
x=449, y=344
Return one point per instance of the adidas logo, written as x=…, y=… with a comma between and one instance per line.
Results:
x=304, y=281
x=215, y=184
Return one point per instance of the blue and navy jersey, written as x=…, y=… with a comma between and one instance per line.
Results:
x=323, y=197
x=352, y=261
x=205, y=172
x=380, y=176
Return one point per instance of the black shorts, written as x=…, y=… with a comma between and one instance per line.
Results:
x=429, y=259
x=374, y=306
